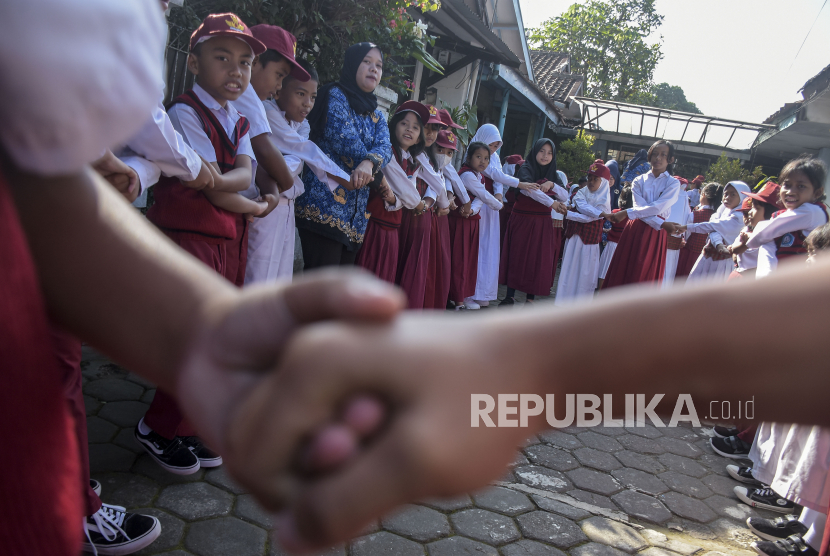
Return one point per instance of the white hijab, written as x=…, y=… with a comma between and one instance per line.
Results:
x=488, y=133
x=600, y=198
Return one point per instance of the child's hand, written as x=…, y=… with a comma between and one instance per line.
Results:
x=545, y=187
x=426, y=448
x=204, y=180
x=271, y=201
x=500, y=197
x=526, y=186
x=442, y=212
x=125, y=184
x=708, y=251
x=123, y=178
x=386, y=193
x=616, y=217
x=670, y=227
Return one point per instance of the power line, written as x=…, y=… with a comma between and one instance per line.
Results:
x=808, y=35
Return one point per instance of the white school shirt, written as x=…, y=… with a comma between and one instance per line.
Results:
x=187, y=123
x=291, y=138
x=540, y=197
x=500, y=179
x=454, y=180
x=680, y=211
x=509, y=169
x=79, y=77
x=590, y=206
x=249, y=105
x=436, y=187
x=694, y=197
x=653, y=198
x=803, y=219
x=749, y=258
x=722, y=227
x=403, y=186
x=148, y=173
x=472, y=181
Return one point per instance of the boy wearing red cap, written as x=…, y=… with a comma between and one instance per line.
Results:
x=271, y=239
x=693, y=191
x=222, y=51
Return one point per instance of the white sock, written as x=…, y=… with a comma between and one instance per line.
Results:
x=815, y=521
x=143, y=428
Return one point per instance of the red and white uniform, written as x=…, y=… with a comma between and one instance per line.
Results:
x=801, y=220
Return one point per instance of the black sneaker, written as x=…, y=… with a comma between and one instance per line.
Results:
x=791, y=546
x=730, y=447
x=170, y=454
x=744, y=475
x=764, y=498
x=207, y=457
x=95, y=486
x=724, y=432
x=778, y=528
x=111, y=530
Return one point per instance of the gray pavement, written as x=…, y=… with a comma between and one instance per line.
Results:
x=581, y=492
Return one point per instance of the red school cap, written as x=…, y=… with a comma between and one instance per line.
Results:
x=770, y=193
x=746, y=205
x=698, y=180
x=447, y=139
x=514, y=159
x=278, y=39
x=445, y=116
x=415, y=106
x=226, y=24
x=434, y=118
x=684, y=181
x=598, y=168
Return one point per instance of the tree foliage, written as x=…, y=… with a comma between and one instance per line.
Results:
x=575, y=156
x=666, y=96
x=607, y=43
x=725, y=170
x=325, y=28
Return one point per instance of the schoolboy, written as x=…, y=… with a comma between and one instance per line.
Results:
x=271, y=238
x=222, y=50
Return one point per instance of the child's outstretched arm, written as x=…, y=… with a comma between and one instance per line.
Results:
x=234, y=202
x=430, y=447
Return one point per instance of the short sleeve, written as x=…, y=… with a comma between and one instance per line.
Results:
x=249, y=105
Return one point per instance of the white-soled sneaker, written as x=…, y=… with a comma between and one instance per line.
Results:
x=113, y=531
x=470, y=303
x=764, y=498
x=95, y=486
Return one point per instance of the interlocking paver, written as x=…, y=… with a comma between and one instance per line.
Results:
x=662, y=541
x=127, y=489
x=561, y=439
x=685, y=484
x=223, y=536
x=542, y=477
x=126, y=439
x=596, y=459
x=385, y=544
x=609, y=431
x=172, y=529
x=525, y=547
x=551, y=457
x=104, y=458
x=594, y=481
x=418, y=523
x=682, y=433
x=592, y=498
x=641, y=444
x=145, y=465
x=99, y=431
x=596, y=549
x=639, y=461
x=687, y=507
x=503, y=500
x=91, y=405
x=460, y=546
x=248, y=509
x=683, y=465
x=123, y=414
x=680, y=447
x=642, y=506
x=735, y=509
x=640, y=480
x=555, y=506
x=721, y=485
x=613, y=533
x=195, y=501
x=449, y=504
x=599, y=442
x=113, y=390
x=647, y=431
x=550, y=528
x=485, y=526
x=715, y=463
x=219, y=477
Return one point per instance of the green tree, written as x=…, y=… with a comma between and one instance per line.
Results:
x=607, y=43
x=730, y=169
x=666, y=96
x=576, y=155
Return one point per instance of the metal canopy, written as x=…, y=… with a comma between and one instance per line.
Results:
x=682, y=127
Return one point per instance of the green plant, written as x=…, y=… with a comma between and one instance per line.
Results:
x=325, y=28
x=465, y=115
x=576, y=155
x=727, y=169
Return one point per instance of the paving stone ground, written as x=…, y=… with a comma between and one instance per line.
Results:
x=575, y=492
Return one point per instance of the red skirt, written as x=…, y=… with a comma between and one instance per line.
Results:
x=464, y=245
x=440, y=264
x=413, y=256
x=379, y=254
x=237, y=253
x=529, y=253
x=640, y=256
x=504, y=220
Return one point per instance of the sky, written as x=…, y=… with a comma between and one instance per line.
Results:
x=731, y=57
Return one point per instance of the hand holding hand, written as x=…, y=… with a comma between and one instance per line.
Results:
x=362, y=175
x=525, y=186
x=204, y=180
x=123, y=178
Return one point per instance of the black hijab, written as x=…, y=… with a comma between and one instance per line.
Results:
x=360, y=101
x=531, y=171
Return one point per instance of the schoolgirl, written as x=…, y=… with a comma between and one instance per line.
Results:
x=757, y=207
x=580, y=260
x=396, y=190
x=624, y=201
x=711, y=194
x=680, y=212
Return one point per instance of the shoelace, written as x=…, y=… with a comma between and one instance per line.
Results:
x=108, y=520
x=765, y=492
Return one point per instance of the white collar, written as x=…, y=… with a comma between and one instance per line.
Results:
x=212, y=103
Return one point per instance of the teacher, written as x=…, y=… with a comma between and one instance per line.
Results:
x=347, y=125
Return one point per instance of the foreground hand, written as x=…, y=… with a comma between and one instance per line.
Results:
x=123, y=178
x=204, y=180
x=241, y=344
x=427, y=447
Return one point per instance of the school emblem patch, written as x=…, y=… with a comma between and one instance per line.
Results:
x=787, y=240
x=451, y=137
x=235, y=24
x=433, y=111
